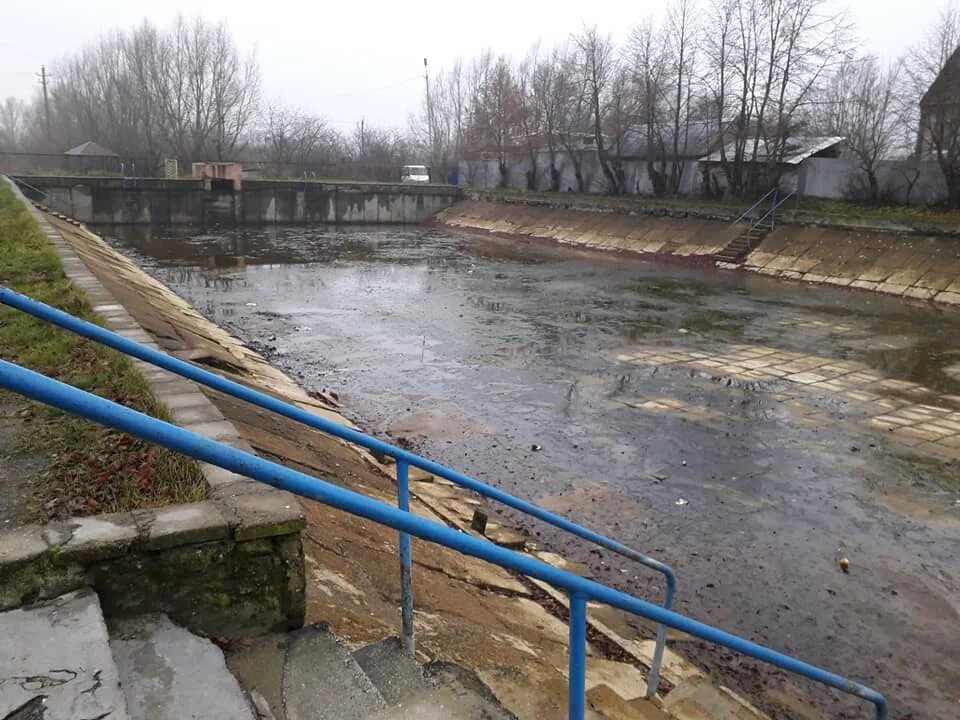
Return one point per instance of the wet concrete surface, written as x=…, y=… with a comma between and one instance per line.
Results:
x=476, y=351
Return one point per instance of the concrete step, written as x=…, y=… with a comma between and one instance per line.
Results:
x=456, y=694
x=309, y=675
x=603, y=700
x=323, y=681
x=170, y=674
x=56, y=662
x=700, y=699
x=399, y=678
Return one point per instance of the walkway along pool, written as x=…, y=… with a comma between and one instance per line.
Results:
x=747, y=431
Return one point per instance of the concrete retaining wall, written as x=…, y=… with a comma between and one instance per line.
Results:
x=229, y=566
x=485, y=174
x=170, y=202
x=842, y=178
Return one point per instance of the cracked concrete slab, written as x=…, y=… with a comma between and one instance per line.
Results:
x=168, y=673
x=56, y=657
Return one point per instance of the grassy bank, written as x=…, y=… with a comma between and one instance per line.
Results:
x=91, y=469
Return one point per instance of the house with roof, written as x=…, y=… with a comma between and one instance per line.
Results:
x=939, y=130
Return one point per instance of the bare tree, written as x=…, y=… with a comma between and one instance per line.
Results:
x=499, y=110
x=620, y=113
x=443, y=121
x=650, y=78
x=546, y=87
x=293, y=141
x=859, y=104
x=597, y=66
x=767, y=60
x=530, y=112
x=574, y=117
x=682, y=30
x=234, y=87
x=13, y=124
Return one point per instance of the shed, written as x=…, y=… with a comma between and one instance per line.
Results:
x=788, y=166
x=91, y=157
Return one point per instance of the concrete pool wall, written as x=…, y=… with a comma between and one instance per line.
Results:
x=907, y=264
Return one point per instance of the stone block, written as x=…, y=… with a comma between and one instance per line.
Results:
x=98, y=538
x=891, y=289
x=221, y=480
x=919, y=293
x=905, y=277
x=21, y=545
x=238, y=443
x=203, y=413
x=266, y=513
x=951, y=298
x=181, y=525
x=217, y=430
x=190, y=399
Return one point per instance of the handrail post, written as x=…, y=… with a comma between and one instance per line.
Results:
x=406, y=561
x=577, y=682
x=653, y=679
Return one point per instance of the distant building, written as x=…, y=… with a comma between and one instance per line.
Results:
x=90, y=149
x=219, y=175
x=788, y=166
x=641, y=152
x=91, y=157
x=940, y=110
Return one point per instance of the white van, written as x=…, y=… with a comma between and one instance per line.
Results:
x=415, y=174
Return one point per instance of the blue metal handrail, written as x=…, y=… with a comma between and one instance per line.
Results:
x=403, y=458
x=580, y=590
x=772, y=212
x=771, y=191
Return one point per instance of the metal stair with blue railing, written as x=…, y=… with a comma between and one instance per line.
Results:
x=579, y=590
x=757, y=229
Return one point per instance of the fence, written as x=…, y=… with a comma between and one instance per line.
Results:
x=15, y=163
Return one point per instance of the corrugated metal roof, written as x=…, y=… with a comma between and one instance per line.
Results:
x=796, y=151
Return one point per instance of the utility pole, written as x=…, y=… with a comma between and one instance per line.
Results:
x=46, y=100
x=426, y=80
x=362, y=139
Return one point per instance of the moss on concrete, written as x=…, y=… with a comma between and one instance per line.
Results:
x=222, y=588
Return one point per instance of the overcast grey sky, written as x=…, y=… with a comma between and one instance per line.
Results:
x=348, y=60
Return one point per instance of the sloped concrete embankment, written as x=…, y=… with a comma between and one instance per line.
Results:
x=898, y=262
x=912, y=266
x=680, y=237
